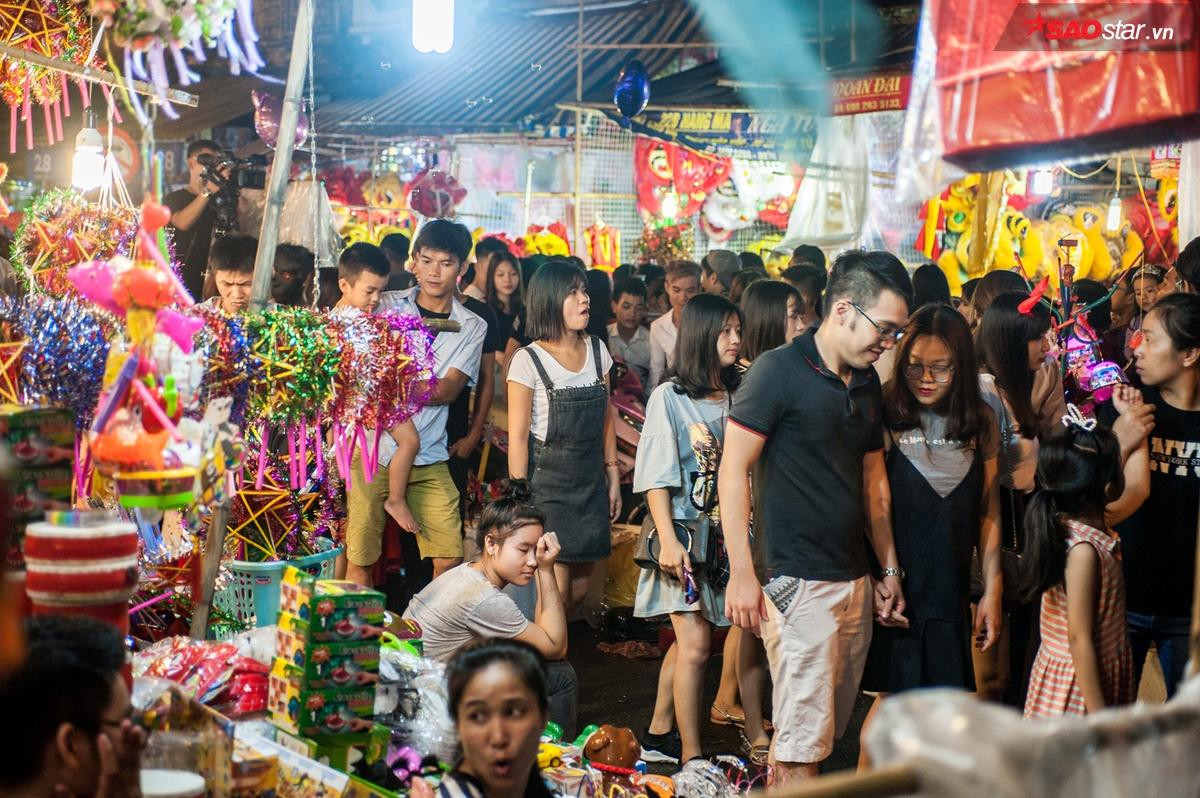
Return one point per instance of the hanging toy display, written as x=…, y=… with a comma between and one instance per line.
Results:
x=62, y=229
x=385, y=376
x=150, y=31
x=297, y=365
x=137, y=437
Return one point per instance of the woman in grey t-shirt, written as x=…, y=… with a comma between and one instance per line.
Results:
x=677, y=470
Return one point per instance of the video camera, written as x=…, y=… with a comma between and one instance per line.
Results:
x=231, y=175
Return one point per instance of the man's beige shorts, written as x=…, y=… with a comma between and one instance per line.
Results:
x=817, y=651
x=432, y=498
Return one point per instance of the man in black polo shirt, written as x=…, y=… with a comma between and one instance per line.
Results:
x=811, y=411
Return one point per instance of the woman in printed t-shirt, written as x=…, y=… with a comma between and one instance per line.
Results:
x=1158, y=542
x=676, y=469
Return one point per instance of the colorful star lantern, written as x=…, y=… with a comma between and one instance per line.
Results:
x=266, y=523
x=52, y=28
x=229, y=367
x=11, y=347
x=62, y=229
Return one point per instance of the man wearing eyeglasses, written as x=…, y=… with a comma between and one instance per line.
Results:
x=811, y=411
x=69, y=707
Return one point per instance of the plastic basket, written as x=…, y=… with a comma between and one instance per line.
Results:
x=252, y=595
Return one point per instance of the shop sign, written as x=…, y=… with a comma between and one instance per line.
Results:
x=870, y=93
x=733, y=134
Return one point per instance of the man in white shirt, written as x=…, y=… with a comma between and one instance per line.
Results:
x=439, y=255
x=683, y=282
x=627, y=338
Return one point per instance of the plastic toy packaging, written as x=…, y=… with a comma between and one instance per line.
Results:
x=212, y=673
x=999, y=84
x=700, y=778
x=411, y=699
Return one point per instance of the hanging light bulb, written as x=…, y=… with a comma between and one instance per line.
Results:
x=87, y=165
x=1113, y=222
x=1043, y=181
x=670, y=204
x=433, y=25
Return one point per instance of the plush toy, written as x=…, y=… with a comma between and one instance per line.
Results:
x=613, y=746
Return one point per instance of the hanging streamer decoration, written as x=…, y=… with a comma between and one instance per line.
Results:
x=54, y=29
x=152, y=32
x=298, y=363
x=229, y=367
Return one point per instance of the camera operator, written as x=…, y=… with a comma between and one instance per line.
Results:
x=192, y=215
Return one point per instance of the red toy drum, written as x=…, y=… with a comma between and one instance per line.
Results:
x=82, y=563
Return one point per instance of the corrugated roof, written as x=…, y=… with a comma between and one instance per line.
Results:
x=513, y=69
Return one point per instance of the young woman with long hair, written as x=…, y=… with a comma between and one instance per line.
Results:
x=676, y=469
x=560, y=429
x=942, y=445
x=1022, y=385
x=775, y=313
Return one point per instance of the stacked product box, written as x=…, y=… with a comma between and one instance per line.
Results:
x=326, y=656
x=38, y=444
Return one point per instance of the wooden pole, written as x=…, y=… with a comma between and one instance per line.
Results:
x=213, y=546
x=96, y=75
x=578, y=129
x=882, y=782
x=281, y=165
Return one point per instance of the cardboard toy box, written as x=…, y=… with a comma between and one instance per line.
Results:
x=37, y=436
x=335, y=611
x=310, y=713
x=324, y=665
x=33, y=490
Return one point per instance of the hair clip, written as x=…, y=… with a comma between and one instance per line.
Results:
x=1074, y=418
x=1035, y=296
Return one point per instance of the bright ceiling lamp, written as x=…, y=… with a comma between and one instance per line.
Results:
x=87, y=165
x=433, y=25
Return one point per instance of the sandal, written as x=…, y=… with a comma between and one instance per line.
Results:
x=757, y=754
x=720, y=717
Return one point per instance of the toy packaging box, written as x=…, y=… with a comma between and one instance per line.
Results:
x=335, y=611
x=308, y=712
x=37, y=436
x=354, y=663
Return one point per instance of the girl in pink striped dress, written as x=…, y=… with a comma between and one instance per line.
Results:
x=1073, y=560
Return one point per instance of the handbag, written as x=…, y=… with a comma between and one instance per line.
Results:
x=1012, y=544
x=697, y=537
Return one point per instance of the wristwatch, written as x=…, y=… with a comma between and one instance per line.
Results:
x=896, y=572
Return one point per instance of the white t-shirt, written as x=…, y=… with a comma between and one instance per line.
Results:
x=522, y=371
x=662, y=348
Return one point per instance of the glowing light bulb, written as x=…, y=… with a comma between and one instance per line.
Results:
x=87, y=165
x=670, y=205
x=1043, y=182
x=1113, y=222
x=433, y=25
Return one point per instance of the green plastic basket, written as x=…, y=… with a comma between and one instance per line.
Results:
x=252, y=595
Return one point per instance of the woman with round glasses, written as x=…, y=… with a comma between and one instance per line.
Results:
x=941, y=463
